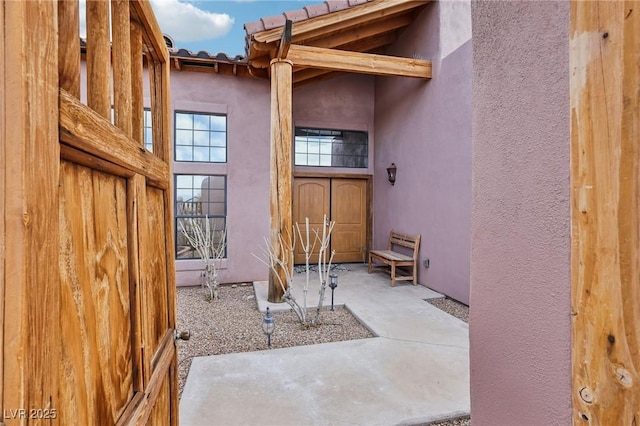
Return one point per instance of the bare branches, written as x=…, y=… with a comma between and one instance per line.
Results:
x=273, y=261
x=210, y=246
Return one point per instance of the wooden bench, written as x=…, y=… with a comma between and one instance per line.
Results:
x=394, y=259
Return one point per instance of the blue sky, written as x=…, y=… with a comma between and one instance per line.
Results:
x=216, y=25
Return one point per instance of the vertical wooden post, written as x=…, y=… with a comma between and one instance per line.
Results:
x=30, y=153
x=69, y=46
x=98, y=48
x=280, y=192
x=605, y=211
x=122, y=69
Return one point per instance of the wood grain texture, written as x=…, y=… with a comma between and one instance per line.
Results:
x=605, y=206
x=365, y=63
x=86, y=130
x=137, y=81
x=121, y=58
x=96, y=369
x=98, y=58
x=154, y=275
x=311, y=198
x=349, y=211
x=281, y=168
x=31, y=337
x=68, y=46
x=3, y=196
x=152, y=34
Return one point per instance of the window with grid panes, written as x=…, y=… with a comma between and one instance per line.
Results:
x=331, y=148
x=199, y=198
x=200, y=137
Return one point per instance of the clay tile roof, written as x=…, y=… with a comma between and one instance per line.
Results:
x=186, y=54
x=298, y=15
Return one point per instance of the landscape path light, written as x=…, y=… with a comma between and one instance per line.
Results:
x=333, y=283
x=268, y=325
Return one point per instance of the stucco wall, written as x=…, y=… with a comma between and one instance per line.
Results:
x=520, y=263
x=246, y=103
x=424, y=127
x=343, y=103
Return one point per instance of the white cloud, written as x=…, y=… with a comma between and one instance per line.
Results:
x=185, y=22
x=182, y=21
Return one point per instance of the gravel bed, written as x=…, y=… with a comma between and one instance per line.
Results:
x=234, y=324
x=452, y=307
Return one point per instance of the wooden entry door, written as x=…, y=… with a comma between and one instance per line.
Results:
x=343, y=200
x=349, y=211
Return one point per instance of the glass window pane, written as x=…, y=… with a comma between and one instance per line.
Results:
x=200, y=138
x=218, y=123
x=200, y=153
x=218, y=155
x=184, y=153
x=200, y=122
x=184, y=137
x=184, y=121
x=218, y=139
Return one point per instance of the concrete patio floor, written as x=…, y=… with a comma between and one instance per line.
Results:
x=415, y=371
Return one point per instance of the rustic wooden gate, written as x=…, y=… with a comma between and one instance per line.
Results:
x=87, y=242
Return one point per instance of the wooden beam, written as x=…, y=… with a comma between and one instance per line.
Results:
x=605, y=213
x=152, y=33
x=281, y=169
x=365, y=63
x=285, y=40
x=85, y=130
x=340, y=20
x=363, y=32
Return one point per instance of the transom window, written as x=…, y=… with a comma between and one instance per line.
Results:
x=331, y=148
x=201, y=137
x=199, y=197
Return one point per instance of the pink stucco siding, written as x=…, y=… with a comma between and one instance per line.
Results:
x=424, y=127
x=343, y=103
x=247, y=167
x=520, y=332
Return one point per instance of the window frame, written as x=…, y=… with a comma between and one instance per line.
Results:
x=363, y=157
x=178, y=216
x=193, y=129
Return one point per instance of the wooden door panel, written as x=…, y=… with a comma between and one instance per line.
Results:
x=311, y=199
x=349, y=211
x=154, y=280
x=97, y=359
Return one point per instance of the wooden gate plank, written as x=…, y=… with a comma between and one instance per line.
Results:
x=605, y=164
x=121, y=57
x=98, y=58
x=30, y=140
x=68, y=46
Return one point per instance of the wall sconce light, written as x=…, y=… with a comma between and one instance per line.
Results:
x=391, y=173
